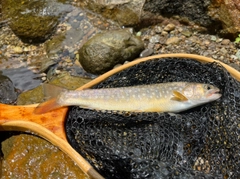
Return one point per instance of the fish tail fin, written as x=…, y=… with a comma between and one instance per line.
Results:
x=47, y=106
x=51, y=93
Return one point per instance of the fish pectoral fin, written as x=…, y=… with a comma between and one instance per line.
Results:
x=179, y=96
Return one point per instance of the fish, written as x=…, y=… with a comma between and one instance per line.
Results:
x=172, y=97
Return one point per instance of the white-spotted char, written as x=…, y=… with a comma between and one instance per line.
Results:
x=162, y=97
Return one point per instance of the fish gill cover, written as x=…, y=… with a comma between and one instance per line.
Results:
x=203, y=142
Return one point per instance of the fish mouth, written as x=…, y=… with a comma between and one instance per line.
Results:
x=214, y=93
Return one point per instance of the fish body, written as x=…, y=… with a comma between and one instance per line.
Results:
x=162, y=97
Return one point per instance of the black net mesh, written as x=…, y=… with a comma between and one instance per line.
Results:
x=202, y=142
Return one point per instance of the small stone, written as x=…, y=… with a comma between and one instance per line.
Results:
x=238, y=54
x=145, y=53
x=26, y=49
x=155, y=39
x=44, y=78
x=224, y=51
x=57, y=71
x=219, y=40
x=18, y=50
x=68, y=60
x=206, y=42
x=172, y=40
x=213, y=38
x=225, y=41
x=139, y=33
x=234, y=57
x=164, y=33
x=158, y=29
x=169, y=27
x=215, y=56
x=186, y=33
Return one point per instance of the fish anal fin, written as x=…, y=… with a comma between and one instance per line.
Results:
x=47, y=106
x=178, y=96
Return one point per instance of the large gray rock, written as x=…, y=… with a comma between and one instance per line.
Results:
x=102, y=52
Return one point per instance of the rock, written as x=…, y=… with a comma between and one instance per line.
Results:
x=31, y=96
x=28, y=156
x=194, y=10
x=172, y=40
x=217, y=16
x=8, y=94
x=169, y=27
x=125, y=12
x=103, y=51
x=33, y=21
x=228, y=13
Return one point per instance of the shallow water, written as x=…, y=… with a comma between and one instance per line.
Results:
x=23, y=78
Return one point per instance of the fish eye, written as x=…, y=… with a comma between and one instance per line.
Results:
x=208, y=87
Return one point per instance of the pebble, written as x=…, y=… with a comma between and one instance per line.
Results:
x=158, y=29
x=164, y=33
x=213, y=38
x=188, y=40
x=145, y=53
x=187, y=33
x=223, y=50
x=238, y=54
x=155, y=39
x=225, y=41
x=18, y=50
x=44, y=78
x=169, y=27
x=206, y=42
x=172, y=40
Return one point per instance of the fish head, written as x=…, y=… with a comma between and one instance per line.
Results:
x=201, y=93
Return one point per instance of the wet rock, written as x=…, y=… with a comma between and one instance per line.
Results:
x=28, y=156
x=31, y=97
x=102, y=52
x=8, y=94
x=33, y=21
x=125, y=12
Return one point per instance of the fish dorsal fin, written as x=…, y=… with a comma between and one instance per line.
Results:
x=178, y=96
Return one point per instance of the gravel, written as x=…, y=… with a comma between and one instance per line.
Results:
x=170, y=38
